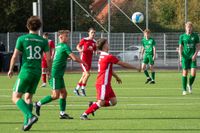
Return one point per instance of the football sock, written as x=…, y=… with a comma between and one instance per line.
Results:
x=146, y=73
x=184, y=82
x=191, y=79
x=62, y=103
x=44, y=78
x=153, y=76
x=24, y=108
x=78, y=86
x=30, y=106
x=83, y=86
x=45, y=100
x=92, y=108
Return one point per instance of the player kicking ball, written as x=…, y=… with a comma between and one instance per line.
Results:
x=149, y=52
x=105, y=94
x=62, y=52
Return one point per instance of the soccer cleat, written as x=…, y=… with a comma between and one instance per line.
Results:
x=189, y=88
x=31, y=121
x=84, y=117
x=152, y=82
x=43, y=85
x=66, y=116
x=83, y=92
x=76, y=92
x=37, y=109
x=184, y=93
x=90, y=104
x=148, y=80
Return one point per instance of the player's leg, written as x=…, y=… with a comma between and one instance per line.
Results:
x=84, y=82
x=79, y=84
x=146, y=73
x=151, y=65
x=185, y=67
x=192, y=76
x=55, y=84
x=62, y=102
x=44, y=72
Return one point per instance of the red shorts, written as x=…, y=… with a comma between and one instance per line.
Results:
x=44, y=63
x=86, y=69
x=104, y=92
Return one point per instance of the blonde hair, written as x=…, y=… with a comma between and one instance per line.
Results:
x=147, y=31
x=188, y=23
x=60, y=32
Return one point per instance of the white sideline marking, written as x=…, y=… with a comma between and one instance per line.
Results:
x=82, y=105
x=177, y=98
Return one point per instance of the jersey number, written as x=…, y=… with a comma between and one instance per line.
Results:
x=34, y=52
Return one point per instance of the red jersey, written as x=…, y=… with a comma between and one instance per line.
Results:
x=51, y=46
x=105, y=68
x=88, y=46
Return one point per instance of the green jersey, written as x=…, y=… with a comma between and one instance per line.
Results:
x=62, y=52
x=32, y=47
x=148, y=45
x=189, y=42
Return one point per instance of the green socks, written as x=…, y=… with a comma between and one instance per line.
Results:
x=45, y=100
x=191, y=80
x=62, y=103
x=146, y=73
x=184, y=83
x=153, y=76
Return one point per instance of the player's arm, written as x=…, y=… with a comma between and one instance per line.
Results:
x=77, y=59
x=126, y=65
x=49, y=63
x=52, y=54
x=141, y=52
x=12, y=62
x=196, y=52
x=154, y=52
x=79, y=48
x=119, y=81
x=180, y=50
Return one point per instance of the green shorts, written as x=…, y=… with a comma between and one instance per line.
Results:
x=57, y=83
x=26, y=82
x=148, y=59
x=188, y=64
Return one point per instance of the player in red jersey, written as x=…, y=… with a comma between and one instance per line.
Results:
x=44, y=60
x=105, y=94
x=86, y=47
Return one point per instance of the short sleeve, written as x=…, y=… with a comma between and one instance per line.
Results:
x=19, y=44
x=46, y=46
x=81, y=43
x=113, y=59
x=180, y=42
x=68, y=50
x=197, y=38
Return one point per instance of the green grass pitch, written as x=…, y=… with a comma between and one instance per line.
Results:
x=141, y=108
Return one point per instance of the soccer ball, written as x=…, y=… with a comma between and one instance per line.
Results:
x=137, y=17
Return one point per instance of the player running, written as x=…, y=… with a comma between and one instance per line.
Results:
x=31, y=46
x=105, y=94
x=188, y=50
x=44, y=60
x=86, y=47
x=62, y=52
x=149, y=52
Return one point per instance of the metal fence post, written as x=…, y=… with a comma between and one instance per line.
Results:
x=8, y=42
x=164, y=49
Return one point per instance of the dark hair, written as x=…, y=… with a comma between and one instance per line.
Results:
x=147, y=31
x=33, y=23
x=100, y=43
x=60, y=32
x=46, y=34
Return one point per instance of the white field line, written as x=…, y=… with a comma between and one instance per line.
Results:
x=131, y=97
x=85, y=105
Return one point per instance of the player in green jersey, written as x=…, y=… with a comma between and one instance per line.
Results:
x=62, y=52
x=149, y=52
x=30, y=46
x=188, y=50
